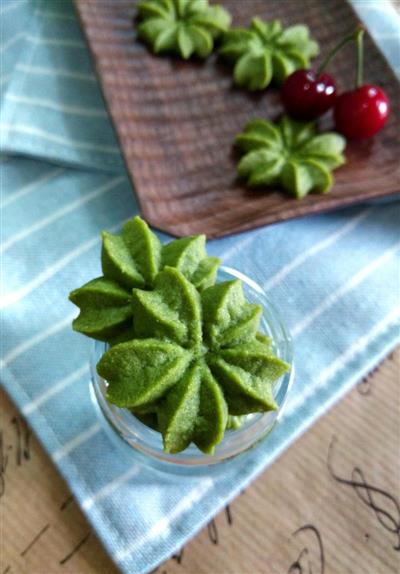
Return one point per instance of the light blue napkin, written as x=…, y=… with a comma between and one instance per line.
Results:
x=335, y=278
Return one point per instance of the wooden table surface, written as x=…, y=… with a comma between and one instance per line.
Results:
x=329, y=505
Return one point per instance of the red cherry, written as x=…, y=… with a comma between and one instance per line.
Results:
x=307, y=95
x=362, y=112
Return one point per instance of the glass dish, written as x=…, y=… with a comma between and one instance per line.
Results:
x=146, y=443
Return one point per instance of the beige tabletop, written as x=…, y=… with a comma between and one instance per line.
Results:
x=329, y=505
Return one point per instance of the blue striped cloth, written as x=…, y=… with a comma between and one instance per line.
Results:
x=335, y=277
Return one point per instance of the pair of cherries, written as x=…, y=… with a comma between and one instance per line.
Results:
x=359, y=113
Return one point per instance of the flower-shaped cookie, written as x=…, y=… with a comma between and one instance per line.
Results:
x=266, y=51
x=182, y=27
x=133, y=260
x=196, y=358
x=289, y=154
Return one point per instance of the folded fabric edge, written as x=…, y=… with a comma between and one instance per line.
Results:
x=54, y=159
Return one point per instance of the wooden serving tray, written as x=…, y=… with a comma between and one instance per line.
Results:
x=176, y=121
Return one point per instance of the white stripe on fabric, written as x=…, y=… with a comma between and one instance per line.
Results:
x=33, y=185
x=64, y=42
x=4, y=79
x=55, y=389
x=18, y=294
x=10, y=42
x=336, y=295
x=162, y=525
x=12, y=6
x=74, y=443
x=49, y=136
x=56, y=15
x=342, y=361
x=60, y=213
x=64, y=108
x=36, y=339
x=238, y=247
x=42, y=71
x=110, y=487
x=320, y=246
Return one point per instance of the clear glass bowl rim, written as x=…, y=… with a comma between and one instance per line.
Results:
x=147, y=442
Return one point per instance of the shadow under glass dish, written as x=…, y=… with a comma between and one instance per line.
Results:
x=142, y=440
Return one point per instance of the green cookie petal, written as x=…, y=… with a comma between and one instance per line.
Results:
x=185, y=254
x=253, y=71
x=264, y=29
x=194, y=6
x=236, y=42
x=144, y=246
x=180, y=7
x=153, y=9
x=105, y=309
x=213, y=414
x=177, y=418
x=328, y=144
x=266, y=174
x=167, y=40
x=253, y=160
x=243, y=392
x=296, y=179
x=288, y=129
x=321, y=176
x=202, y=41
x=206, y=273
x=297, y=59
x=189, y=256
x=265, y=129
x=141, y=371
x=149, y=30
x=302, y=132
x=172, y=311
x=227, y=317
x=244, y=328
x=185, y=43
x=254, y=139
x=247, y=374
x=326, y=149
x=117, y=262
x=294, y=35
x=283, y=67
x=214, y=18
x=255, y=357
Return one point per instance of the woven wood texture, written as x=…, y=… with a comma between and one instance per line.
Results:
x=176, y=121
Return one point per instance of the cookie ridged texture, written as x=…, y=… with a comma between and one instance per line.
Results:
x=266, y=52
x=131, y=262
x=198, y=359
x=289, y=154
x=181, y=27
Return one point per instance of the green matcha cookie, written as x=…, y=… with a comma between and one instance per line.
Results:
x=266, y=52
x=289, y=154
x=196, y=359
x=181, y=27
x=132, y=260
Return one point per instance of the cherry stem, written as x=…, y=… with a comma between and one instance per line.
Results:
x=350, y=38
x=360, y=56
